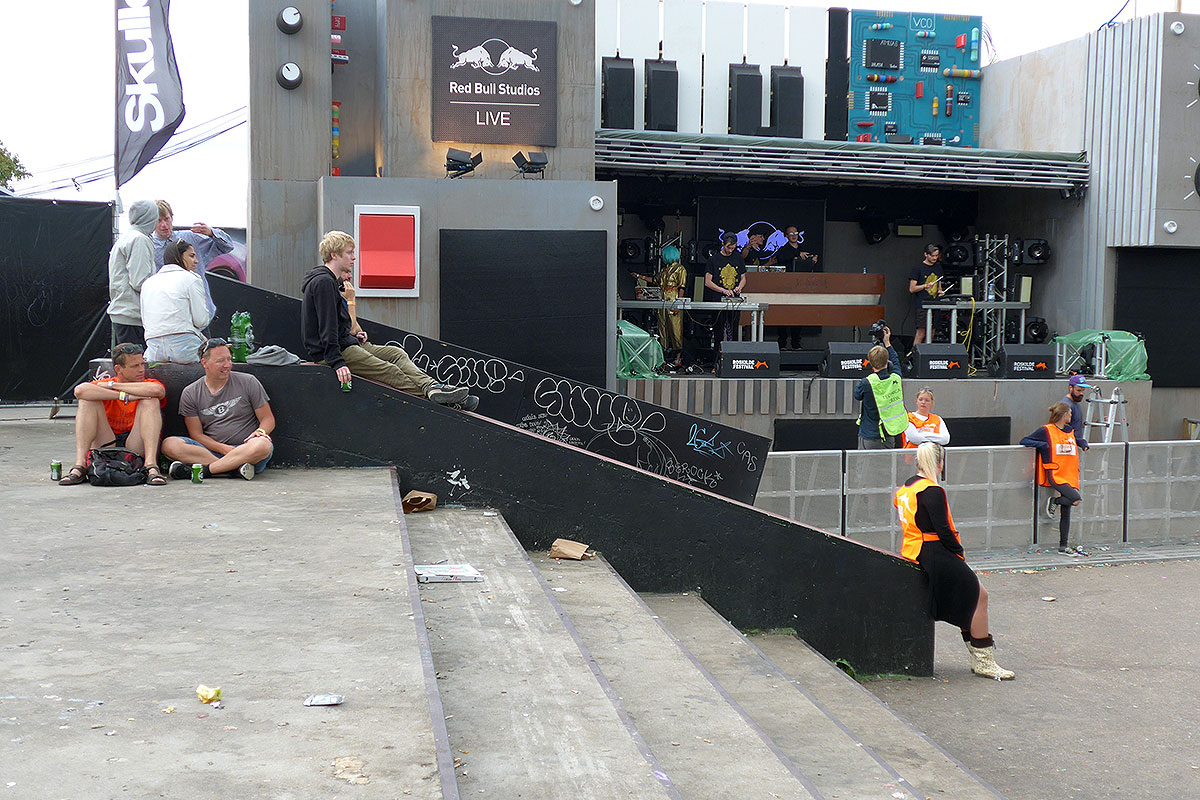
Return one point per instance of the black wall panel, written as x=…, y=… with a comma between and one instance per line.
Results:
x=537, y=297
x=53, y=294
x=842, y=434
x=837, y=77
x=1158, y=293
x=689, y=449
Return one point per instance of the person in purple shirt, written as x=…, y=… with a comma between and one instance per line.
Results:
x=1074, y=398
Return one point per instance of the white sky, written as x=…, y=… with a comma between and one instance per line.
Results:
x=57, y=76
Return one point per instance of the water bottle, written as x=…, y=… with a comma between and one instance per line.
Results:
x=239, y=331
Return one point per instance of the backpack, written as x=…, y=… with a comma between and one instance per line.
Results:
x=115, y=466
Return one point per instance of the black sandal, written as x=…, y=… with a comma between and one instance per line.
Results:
x=75, y=476
x=154, y=477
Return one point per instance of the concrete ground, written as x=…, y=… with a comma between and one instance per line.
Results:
x=116, y=603
x=1105, y=701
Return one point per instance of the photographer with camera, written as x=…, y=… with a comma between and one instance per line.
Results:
x=883, y=415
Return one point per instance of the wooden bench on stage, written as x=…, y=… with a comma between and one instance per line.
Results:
x=816, y=298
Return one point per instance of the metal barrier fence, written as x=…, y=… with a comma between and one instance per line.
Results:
x=1138, y=493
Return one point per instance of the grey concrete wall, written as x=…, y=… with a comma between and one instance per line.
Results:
x=405, y=95
x=289, y=140
x=755, y=405
x=1036, y=101
x=1168, y=408
x=466, y=203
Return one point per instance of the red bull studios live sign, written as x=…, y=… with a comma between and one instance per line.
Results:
x=495, y=81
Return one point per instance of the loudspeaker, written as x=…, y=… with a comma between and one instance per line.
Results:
x=845, y=360
x=1023, y=361
x=787, y=102
x=662, y=96
x=837, y=76
x=616, y=93
x=748, y=360
x=939, y=361
x=745, y=99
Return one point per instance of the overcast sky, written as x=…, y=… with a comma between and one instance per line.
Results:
x=57, y=75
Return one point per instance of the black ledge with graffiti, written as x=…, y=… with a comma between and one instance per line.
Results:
x=696, y=451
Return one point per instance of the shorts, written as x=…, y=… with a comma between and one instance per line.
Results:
x=259, y=468
x=120, y=441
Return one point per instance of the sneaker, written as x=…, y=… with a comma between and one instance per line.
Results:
x=180, y=471
x=246, y=471
x=445, y=394
x=1067, y=550
x=470, y=404
x=1051, y=507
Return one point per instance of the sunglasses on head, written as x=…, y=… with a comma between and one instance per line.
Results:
x=210, y=344
x=126, y=350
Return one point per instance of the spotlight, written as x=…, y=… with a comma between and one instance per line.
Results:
x=461, y=162
x=1036, y=331
x=957, y=254
x=632, y=251
x=534, y=165
x=1037, y=251
x=874, y=226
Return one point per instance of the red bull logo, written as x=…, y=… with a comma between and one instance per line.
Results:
x=495, y=57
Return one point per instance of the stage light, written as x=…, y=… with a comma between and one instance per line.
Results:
x=632, y=251
x=1036, y=331
x=534, y=165
x=461, y=162
x=957, y=254
x=874, y=226
x=1037, y=251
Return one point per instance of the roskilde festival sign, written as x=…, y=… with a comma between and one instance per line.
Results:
x=495, y=81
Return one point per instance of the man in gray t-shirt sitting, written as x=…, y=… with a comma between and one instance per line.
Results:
x=228, y=418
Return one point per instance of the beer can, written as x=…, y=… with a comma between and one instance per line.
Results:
x=346, y=386
x=56, y=470
x=197, y=473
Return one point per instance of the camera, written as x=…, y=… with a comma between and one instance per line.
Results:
x=876, y=332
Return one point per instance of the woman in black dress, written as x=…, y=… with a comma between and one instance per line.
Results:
x=931, y=540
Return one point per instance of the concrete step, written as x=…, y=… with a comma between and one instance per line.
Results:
x=837, y=762
x=706, y=745
x=526, y=715
x=924, y=765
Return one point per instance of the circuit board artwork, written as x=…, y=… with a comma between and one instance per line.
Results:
x=914, y=78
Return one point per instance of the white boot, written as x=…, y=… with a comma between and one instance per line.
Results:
x=983, y=662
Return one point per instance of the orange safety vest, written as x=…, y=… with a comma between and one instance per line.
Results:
x=1065, y=452
x=905, y=502
x=933, y=424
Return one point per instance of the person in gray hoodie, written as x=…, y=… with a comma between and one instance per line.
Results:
x=130, y=263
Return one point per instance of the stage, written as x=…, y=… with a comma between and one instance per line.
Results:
x=757, y=405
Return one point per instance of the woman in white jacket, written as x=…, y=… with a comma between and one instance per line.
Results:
x=174, y=311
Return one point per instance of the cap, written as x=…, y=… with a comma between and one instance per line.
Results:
x=1079, y=380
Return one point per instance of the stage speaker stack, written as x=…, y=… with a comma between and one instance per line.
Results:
x=787, y=102
x=845, y=360
x=745, y=99
x=662, y=96
x=616, y=93
x=748, y=360
x=939, y=361
x=1023, y=361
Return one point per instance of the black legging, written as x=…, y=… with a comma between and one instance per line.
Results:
x=1070, y=496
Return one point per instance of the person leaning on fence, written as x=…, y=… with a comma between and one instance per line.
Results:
x=931, y=540
x=924, y=425
x=1058, y=468
x=882, y=416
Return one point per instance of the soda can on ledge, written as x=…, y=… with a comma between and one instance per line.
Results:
x=56, y=470
x=346, y=386
x=197, y=473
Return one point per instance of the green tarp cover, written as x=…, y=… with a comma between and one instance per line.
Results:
x=639, y=354
x=1125, y=352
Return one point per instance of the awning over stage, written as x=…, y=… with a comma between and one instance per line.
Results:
x=815, y=161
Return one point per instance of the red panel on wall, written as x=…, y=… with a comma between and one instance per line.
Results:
x=386, y=251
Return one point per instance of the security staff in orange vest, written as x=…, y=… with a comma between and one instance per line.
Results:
x=1058, y=468
x=931, y=540
x=924, y=425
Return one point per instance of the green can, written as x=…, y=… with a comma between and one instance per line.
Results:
x=197, y=473
x=346, y=386
x=56, y=470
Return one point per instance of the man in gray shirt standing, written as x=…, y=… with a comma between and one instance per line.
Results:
x=228, y=418
x=1074, y=398
x=209, y=243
